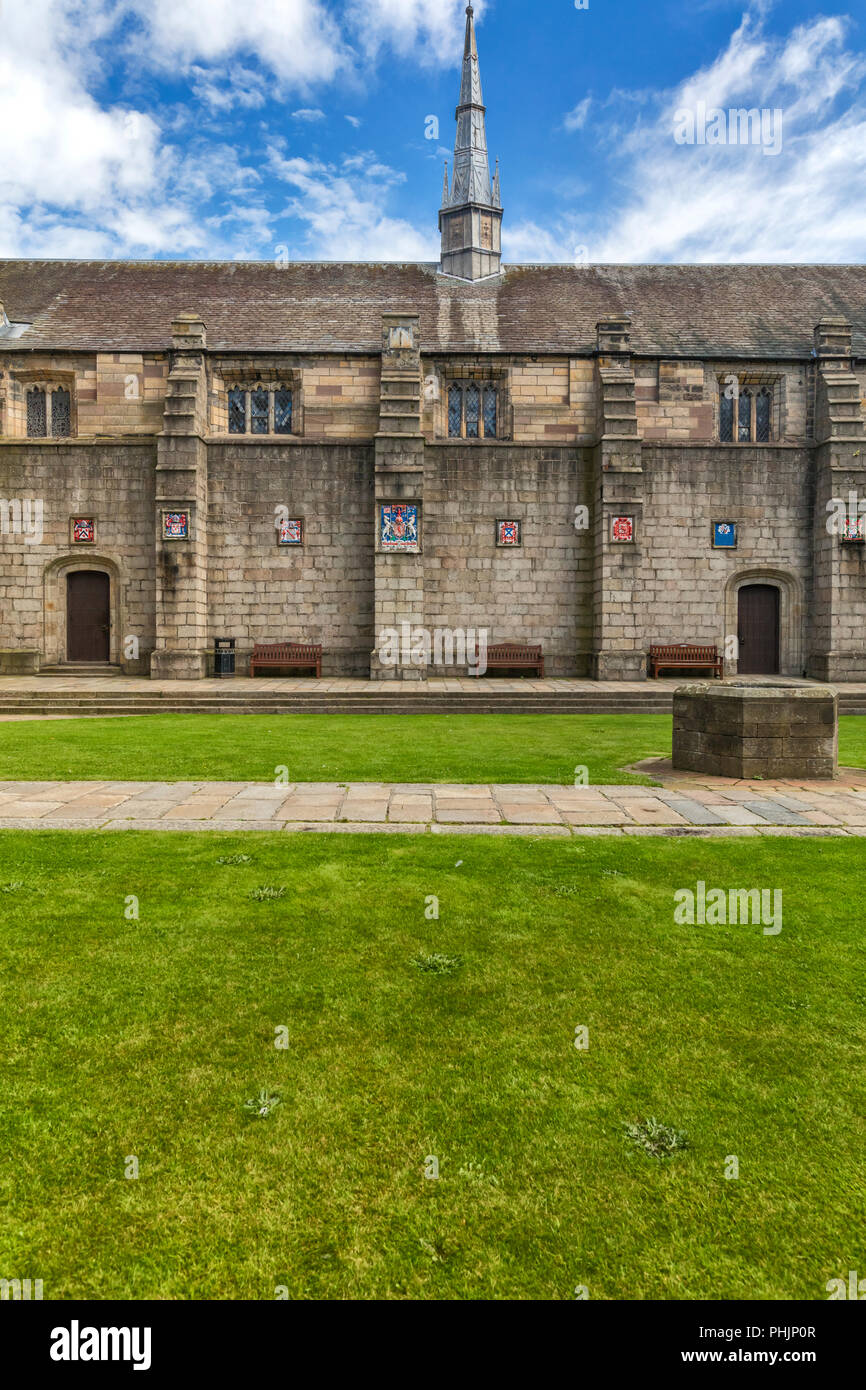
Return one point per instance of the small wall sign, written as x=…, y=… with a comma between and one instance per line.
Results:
x=398, y=526
x=724, y=535
x=291, y=531
x=83, y=530
x=175, y=526
x=622, y=530
x=508, y=533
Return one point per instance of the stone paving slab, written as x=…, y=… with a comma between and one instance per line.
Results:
x=712, y=806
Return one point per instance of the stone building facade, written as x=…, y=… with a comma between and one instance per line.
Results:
x=595, y=458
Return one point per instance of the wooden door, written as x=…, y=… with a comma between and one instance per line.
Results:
x=88, y=616
x=758, y=630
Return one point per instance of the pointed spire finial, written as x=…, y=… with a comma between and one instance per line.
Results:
x=471, y=213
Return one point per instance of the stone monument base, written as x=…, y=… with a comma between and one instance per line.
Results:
x=756, y=729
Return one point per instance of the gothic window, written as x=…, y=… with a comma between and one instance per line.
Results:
x=60, y=413
x=36, y=423
x=282, y=410
x=455, y=410
x=260, y=409
x=472, y=410
x=490, y=412
x=726, y=418
x=748, y=412
x=49, y=412
x=237, y=411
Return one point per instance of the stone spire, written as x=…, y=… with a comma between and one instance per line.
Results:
x=471, y=214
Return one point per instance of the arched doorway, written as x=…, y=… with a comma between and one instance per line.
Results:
x=88, y=616
x=758, y=629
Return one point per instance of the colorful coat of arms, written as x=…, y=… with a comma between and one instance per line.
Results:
x=398, y=526
x=175, y=526
x=508, y=533
x=291, y=531
x=83, y=530
x=622, y=529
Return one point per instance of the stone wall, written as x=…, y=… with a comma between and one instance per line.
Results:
x=321, y=591
x=609, y=432
x=114, y=483
x=538, y=592
x=687, y=589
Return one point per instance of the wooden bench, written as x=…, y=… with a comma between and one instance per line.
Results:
x=684, y=657
x=300, y=654
x=515, y=654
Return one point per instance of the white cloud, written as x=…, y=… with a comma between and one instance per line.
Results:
x=221, y=91
x=343, y=210
x=432, y=31
x=731, y=202
x=297, y=40
x=308, y=114
x=354, y=121
x=576, y=118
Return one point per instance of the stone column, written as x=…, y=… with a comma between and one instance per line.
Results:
x=617, y=491
x=835, y=643
x=399, y=479
x=181, y=487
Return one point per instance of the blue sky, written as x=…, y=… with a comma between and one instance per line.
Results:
x=209, y=129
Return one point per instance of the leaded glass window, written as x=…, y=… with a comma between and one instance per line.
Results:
x=754, y=407
x=472, y=410
x=259, y=411
x=726, y=418
x=471, y=399
x=455, y=410
x=36, y=419
x=237, y=411
x=61, y=420
x=282, y=410
x=490, y=412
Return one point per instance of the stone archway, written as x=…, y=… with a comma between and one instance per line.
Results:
x=790, y=616
x=54, y=651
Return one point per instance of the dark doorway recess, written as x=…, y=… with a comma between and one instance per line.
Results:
x=88, y=616
x=758, y=630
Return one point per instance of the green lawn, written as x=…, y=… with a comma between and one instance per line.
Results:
x=144, y=1037
x=351, y=748
x=334, y=747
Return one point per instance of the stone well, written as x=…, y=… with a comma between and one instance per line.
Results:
x=766, y=729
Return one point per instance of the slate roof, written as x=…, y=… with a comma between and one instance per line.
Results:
x=326, y=306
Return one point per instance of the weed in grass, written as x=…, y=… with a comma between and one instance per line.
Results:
x=14, y=887
x=265, y=1105
x=437, y=963
x=434, y=1251
x=474, y=1173
x=267, y=893
x=655, y=1138
x=235, y=859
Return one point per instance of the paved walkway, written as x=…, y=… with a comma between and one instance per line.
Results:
x=683, y=805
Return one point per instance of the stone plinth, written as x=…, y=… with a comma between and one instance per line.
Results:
x=766, y=729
